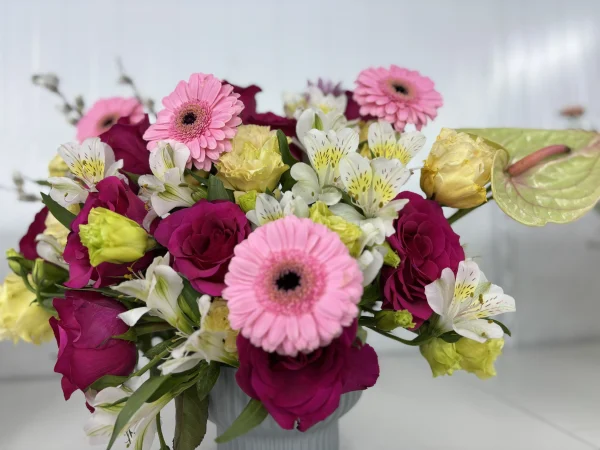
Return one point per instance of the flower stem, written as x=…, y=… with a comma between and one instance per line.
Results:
x=535, y=158
x=161, y=438
x=420, y=339
x=463, y=212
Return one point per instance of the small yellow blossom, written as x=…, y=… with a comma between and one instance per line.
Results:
x=254, y=162
x=217, y=320
x=58, y=167
x=479, y=358
x=349, y=233
x=441, y=356
x=20, y=317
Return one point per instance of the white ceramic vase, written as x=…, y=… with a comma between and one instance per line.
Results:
x=227, y=401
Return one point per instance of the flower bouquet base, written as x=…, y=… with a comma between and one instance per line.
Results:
x=226, y=402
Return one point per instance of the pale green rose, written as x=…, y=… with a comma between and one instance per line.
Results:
x=111, y=237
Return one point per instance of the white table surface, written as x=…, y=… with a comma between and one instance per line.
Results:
x=543, y=399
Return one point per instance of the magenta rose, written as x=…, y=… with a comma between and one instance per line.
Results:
x=27, y=245
x=126, y=140
x=306, y=389
x=86, y=323
x=247, y=97
x=201, y=240
x=116, y=195
x=426, y=245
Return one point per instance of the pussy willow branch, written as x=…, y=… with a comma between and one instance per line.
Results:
x=126, y=79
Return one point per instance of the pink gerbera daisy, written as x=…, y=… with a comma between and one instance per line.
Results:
x=203, y=114
x=292, y=286
x=105, y=113
x=397, y=95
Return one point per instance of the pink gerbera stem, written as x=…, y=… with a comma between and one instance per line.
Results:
x=535, y=158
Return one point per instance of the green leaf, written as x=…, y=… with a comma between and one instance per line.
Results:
x=318, y=123
x=162, y=346
x=284, y=149
x=216, y=190
x=504, y=327
x=108, y=381
x=371, y=294
x=130, y=335
x=149, y=328
x=61, y=214
x=252, y=416
x=135, y=402
x=188, y=302
x=191, y=417
x=132, y=176
x=558, y=189
x=199, y=179
x=208, y=376
x=451, y=337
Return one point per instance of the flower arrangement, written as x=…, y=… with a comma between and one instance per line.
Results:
x=215, y=236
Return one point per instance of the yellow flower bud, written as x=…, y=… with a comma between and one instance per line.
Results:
x=349, y=233
x=390, y=320
x=254, y=162
x=479, y=358
x=363, y=138
x=20, y=317
x=441, y=356
x=113, y=238
x=246, y=201
x=457, y=170
x=217, y=320
x=58, y=167
x=391, y=258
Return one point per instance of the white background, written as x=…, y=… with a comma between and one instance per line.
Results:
x=497, y=63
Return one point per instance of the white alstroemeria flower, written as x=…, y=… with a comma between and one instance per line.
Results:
x=384, y=143
x=325, y=151
x=373, y=185
x=268, y=208
x=49, y=249
x=370, y=263
x=465, y=303
x=167, y=162
x=314, y=118
x=99, y=427
x=160, y=290
x=199, y=346
x=326, y=102
x=89, y=162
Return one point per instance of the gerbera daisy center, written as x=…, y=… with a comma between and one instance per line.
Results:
x=108, y=121
x=400, y=89
x=191, y=120
x=288, y=281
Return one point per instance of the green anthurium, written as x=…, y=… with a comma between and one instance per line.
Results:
x=558, y=184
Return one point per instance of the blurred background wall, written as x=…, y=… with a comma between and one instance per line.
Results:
x=497, y=63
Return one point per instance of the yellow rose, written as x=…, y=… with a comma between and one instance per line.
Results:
x=441, y=356
x=254, y=162
x=349, y=233
x=457, y=170
x=479, y=358
x=217, y=320
x=111, y=237
x=19, y=317
x=58, y=167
